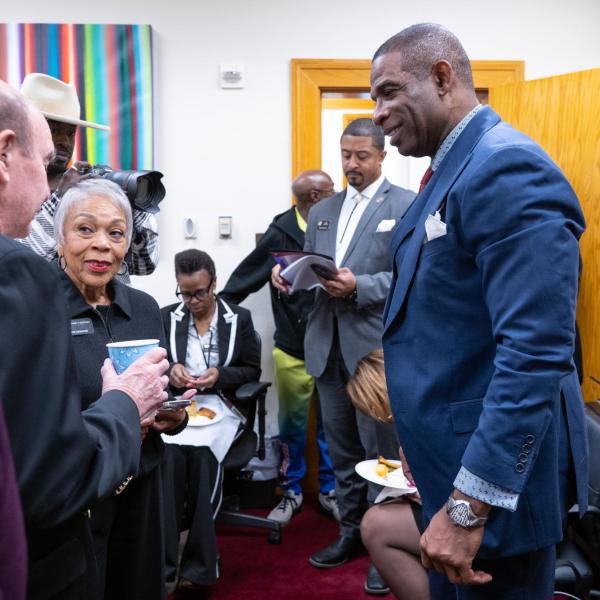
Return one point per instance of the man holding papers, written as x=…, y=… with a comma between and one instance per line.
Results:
x=354, y=228
x=295, y=387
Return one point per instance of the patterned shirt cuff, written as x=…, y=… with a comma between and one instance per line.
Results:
x=144, y=251
x=51, y=204
x=487, y=492
x=144, y=220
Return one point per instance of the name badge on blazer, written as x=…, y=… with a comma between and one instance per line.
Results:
x=323, y=225
x=81, y=326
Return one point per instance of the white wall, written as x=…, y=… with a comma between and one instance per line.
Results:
x=228, y=151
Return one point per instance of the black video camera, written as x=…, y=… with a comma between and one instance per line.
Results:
x=144, y=189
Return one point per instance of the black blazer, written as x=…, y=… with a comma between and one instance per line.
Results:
x=239, y=350
x=65, y=459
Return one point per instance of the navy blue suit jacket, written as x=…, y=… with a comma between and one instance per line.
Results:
x=479, y=332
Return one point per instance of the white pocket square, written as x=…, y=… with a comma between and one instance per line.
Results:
x=434, y=227
x=386, y=225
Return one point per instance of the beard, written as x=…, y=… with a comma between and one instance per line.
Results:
x=354, y=178
x=57, y=168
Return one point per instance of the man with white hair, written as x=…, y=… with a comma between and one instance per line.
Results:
x=65, y=459
x=59, y=103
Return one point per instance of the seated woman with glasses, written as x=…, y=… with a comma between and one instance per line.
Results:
x=212, y=347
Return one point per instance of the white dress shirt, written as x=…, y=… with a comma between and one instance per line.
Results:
x=355, y=204
x=202, y=350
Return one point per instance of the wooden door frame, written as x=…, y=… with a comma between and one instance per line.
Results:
x=311, y=77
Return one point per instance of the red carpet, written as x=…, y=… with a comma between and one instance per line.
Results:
x=253, y=569
x=256, y=570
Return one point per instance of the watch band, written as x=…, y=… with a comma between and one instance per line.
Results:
x=462, y=515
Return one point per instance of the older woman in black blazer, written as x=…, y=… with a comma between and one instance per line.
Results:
x=93, y=227
x=212, y=347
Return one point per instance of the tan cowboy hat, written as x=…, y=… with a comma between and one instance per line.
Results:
x=55, y=99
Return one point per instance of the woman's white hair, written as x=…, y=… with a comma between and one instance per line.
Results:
x=82, y=191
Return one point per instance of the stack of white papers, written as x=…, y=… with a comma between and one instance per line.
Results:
x=300, y=269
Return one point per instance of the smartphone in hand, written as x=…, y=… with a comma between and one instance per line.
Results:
x=323, y=272
x=175, y=404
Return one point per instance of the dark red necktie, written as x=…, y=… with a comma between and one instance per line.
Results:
x=426, y=177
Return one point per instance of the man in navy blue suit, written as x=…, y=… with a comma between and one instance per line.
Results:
x=479, y=327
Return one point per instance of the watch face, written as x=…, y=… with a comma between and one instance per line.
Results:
x=459, y=513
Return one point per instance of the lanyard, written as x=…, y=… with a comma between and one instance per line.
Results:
x=206, y=357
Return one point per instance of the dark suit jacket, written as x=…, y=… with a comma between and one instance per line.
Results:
x=239, y=351
x=479, y=332
x=65, y=459
x=359, y=324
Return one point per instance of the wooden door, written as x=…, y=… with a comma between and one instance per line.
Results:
x=561, y=113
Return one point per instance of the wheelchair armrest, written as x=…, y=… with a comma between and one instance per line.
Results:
x=251, y=390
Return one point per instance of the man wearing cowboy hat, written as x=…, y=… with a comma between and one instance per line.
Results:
x=58, y=102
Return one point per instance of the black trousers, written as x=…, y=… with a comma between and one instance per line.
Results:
x=193, y=491
x=128, y=532
x=528, y=576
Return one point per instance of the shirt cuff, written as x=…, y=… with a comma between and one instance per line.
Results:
x=490, y=493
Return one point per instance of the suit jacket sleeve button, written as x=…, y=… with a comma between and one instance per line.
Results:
x=529, y=439
x=523, y=457
x=527, y=448
x=519, y=467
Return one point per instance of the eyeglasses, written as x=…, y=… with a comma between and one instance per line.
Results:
x=199, y=294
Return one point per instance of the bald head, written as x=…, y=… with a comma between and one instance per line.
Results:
x=424, y=44
x=310, y=187
x=15, y=112
x=25, y=150
x=422, y=85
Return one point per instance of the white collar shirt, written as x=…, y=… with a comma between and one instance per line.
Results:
x=202, y=350
x=354, y=205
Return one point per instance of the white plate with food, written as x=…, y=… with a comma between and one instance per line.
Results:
x=205, y=410
x=387, y=473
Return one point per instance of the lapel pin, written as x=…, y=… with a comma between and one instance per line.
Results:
x=379, y=200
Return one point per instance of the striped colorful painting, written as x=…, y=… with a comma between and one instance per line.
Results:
x=111, y=67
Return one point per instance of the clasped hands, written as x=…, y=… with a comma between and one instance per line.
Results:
x=342, y=285
x=181, y=378
x=449, y=549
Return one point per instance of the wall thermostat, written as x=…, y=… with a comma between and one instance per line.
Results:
x=232, y=75
x=225, y=227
